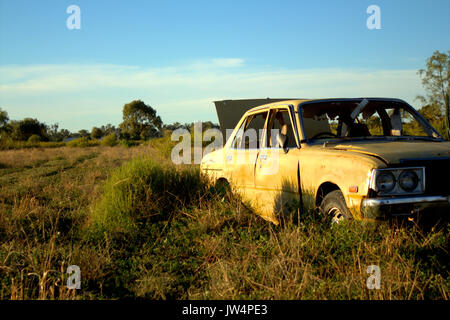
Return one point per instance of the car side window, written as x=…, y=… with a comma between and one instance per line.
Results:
x=238, y=137
x=250, y=134
x=281, y=130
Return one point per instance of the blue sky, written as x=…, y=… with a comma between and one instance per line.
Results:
x=179, y=56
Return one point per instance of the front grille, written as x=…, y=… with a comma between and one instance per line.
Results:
x=437, y=174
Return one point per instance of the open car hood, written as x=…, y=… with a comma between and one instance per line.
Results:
x=229, y=112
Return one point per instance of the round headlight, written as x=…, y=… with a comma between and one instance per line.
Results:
x=385, y=181
x=408, y=180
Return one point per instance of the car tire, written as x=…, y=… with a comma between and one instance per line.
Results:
x=334, y=209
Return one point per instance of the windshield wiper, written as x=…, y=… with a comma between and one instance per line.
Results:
x=376, y=138
x=422, y=138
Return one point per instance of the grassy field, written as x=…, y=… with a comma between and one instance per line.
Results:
x=140, y=227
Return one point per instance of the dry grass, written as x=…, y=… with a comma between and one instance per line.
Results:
x=27, y=157
x=45, y=196
x=203, y=247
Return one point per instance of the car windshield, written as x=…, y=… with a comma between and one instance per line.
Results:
x=364, y=119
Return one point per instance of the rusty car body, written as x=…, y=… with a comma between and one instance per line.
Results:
x=352, y=158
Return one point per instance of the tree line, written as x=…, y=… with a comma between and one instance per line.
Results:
x=141, y=122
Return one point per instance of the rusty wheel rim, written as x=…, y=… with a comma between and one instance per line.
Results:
x=336, y=215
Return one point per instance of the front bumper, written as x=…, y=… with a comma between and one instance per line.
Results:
x=379, y=208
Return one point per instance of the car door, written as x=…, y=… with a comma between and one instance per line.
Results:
x=241, y=155
x=276, y=170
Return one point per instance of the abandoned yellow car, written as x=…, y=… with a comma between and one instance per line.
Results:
x=358, y=158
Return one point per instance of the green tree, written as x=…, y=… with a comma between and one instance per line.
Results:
x=431, y=112
x=436, y=80
x=83, y=133
x=96, y=133
x=56, y=134
x=3, y=117
x=24, y=129
x=63, y=134
x=52, y=132
x=140, y=121
x=34, y=139
x=3, y=122
x=108, y=129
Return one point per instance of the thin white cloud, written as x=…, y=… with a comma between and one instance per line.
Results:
x=228, y=63
x=180, y=93
x=213, y=64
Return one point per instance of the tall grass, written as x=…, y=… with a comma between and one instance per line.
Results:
x=144, y=191
x=44, y=196
x=164, y=144
x=158, y=231
x=109, y=140
x=9, y=144
x=174, y=238
x=82, y=142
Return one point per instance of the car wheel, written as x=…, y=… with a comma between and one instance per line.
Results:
x=334, y=209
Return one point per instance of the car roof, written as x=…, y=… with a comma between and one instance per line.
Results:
x=297, y=102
